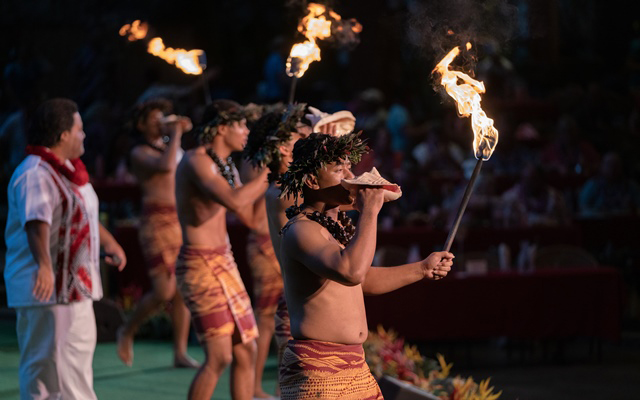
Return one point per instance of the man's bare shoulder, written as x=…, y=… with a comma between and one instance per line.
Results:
x=143, y=151
x=300, y=230
x=197, y=158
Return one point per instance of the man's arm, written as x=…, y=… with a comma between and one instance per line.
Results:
x=380, y=280
x=240, y=201
x=38, y=238
x=115, y=255
x=149, y=159
x=313, y=247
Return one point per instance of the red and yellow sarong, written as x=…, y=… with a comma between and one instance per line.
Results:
x=267, y=277
x=312, y=369
x=160, y=237
x=210, y=284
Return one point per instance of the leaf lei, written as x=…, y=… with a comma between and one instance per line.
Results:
x=342, y=232
x=314, y=153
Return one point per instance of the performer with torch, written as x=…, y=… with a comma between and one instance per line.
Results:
x=485, y=135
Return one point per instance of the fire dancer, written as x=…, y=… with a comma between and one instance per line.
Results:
x=52, y=272
x=270, y=144
x=207, y=185
x=326, y=264
x=154, y=162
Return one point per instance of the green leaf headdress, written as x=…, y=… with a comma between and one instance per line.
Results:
x=268, y=133
x=220, y=112
x=315, y=152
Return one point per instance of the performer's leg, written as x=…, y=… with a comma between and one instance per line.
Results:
x=218, y=355
x=242, y=368
x=164, y=289
x=76, y=353
x=181, y=319
x=38, y=373
x=266, y=327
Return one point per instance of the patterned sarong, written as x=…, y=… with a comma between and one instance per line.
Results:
x=265, y=269
x=312, y=369
x=210, y=284
x=283, y=326
x=160, y=237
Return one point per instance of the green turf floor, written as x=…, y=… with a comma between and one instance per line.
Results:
x=151, y=376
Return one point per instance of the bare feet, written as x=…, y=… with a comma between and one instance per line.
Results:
x=184, y=361
x=125, y=347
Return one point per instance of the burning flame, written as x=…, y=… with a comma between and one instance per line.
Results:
x=467, y=97
x=187, y=61
x=314, y=26
x=135, y=31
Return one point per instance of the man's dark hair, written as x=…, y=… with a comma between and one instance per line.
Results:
x=51, y=118
x=266, y=136
x=262, y=144
x=220, y=112
x=141, y=111
x=315, y=152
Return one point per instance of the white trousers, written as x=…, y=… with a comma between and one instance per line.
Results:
x=56, y=351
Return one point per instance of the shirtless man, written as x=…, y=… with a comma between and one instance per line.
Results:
x=270, y=145
x=327, y=270
x=207, y=185
x=154, y=163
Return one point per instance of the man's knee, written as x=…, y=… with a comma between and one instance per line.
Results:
x=218, y=355
x=164, y=289
x=245, y=352
x=219, y=361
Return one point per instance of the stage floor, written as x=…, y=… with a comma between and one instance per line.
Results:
x=150, y=378
x=576, y=377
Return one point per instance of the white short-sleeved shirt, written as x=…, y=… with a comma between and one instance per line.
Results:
x=33, y=195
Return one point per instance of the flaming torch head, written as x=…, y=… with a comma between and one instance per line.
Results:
x=466, y=92
x=190, y=62
x=134, y=31
x=318, y=24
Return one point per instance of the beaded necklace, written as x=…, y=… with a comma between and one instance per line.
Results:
x=343, y=232
x=226, y=169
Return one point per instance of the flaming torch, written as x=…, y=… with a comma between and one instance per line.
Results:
x=192, y=62
x=466, y=92
x=319, y=23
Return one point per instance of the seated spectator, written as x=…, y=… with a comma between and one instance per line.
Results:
x=610, y=192
x=568, y=153
x=531, y=202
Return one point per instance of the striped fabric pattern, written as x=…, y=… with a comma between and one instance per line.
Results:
x=210, y=284
x=313, y=369
x=265, y=270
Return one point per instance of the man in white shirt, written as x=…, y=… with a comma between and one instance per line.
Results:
x=52, y=270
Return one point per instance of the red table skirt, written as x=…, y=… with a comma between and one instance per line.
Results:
x=543, y=304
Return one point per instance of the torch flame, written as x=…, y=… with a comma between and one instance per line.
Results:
x=187, y=61
x=134, y=31
x=314, y=26
x=467, y=97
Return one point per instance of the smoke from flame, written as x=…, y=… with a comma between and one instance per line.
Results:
x=188, y=61
x=467, y=97
x=319, y=24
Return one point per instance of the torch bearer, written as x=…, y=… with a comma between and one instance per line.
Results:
x=485, y=135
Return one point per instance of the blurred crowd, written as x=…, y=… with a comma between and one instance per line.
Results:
x=567, y=155
x=566, y=146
